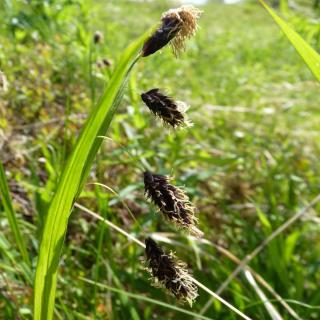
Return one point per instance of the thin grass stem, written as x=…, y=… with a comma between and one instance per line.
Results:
x=265, y=242
x=143, y=298
x=233, y=258
x=129, y=236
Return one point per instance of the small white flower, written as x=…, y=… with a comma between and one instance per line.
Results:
x=3, y=82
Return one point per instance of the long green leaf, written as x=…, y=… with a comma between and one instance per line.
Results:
x=8, y=207
x=307, y=53
x=71, y=182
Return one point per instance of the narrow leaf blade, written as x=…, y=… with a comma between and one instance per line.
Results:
x=71, y=182
x=11, y=215
x=307, y=53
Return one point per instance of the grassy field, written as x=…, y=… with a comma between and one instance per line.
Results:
x=249, y=163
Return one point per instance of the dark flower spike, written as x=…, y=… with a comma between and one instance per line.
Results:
x=98, y=37
x=177, y=26
x=169, y=273
x=170, y=111
x=107, y=62
x=172, y=201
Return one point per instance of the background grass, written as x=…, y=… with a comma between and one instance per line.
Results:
x=249, y=163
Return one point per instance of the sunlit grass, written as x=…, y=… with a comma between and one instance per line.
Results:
x=249, y=163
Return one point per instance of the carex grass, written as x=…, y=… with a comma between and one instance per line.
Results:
x=171, y=112
x=167, y=271
x=178, y=25
x=71, y=181
x=166, y=26
x=172, y=202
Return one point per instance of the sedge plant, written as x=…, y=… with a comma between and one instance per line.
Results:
x=177, y=26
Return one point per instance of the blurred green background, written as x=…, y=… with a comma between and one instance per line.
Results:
x=250, y=161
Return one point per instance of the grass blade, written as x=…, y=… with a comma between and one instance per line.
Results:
x=71, y=182
x=11, y=215
x=266, y=242
x=274, y=314
x=307, y=53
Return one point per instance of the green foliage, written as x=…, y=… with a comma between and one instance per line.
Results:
x=308, y=54
x=6, y=201
x=249, y=162
x=71, y=182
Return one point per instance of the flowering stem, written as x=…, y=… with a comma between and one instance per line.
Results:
x=141, y=244
x=110, y=224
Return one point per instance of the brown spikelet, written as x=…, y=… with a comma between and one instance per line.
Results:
x=171, y=112
x=98, y=37
x=169, y=273
x=104, y=63
x=161, y=37
x=177, y=25
x=107, y=62
x=172, y=201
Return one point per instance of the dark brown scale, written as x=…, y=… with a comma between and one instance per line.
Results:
x=164, y=107
x=166, y=196
x=162, y=36
x=165, y=269
x=106, y=62
x=152, y=249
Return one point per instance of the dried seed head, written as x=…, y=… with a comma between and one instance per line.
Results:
x=172, y=201
x=104, y=63
x=169, y=273
x=107, y=62
x=3, y=82
x=162, y=36
x=177, y=25
x=188, y=16
x=170, y=111
x=98, y=37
